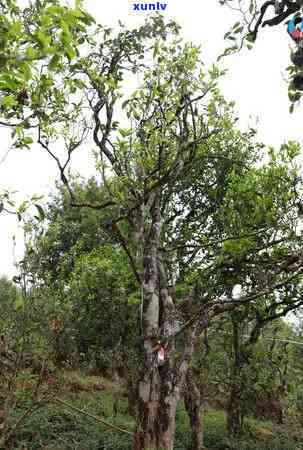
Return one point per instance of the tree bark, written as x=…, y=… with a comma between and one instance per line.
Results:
x=193, y=406
x=158, y=387
x=157, y=393
x=234, y=411
x=156, y=415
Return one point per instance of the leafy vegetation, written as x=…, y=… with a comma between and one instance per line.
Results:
x=54, y=426
x=183, y=210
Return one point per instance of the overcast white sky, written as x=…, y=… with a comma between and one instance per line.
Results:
x=255, y=81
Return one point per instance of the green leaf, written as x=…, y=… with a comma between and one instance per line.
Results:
x=42, y=39
x=70, y=52
x=125, y=103
x=54, y=62
x=250, y=37
x=37, y=197
x=54, y=10
x=9, y=82
x=26, y=70
x=31, y=53
x=40, y=211
x=9, y=101
x=23, y=207
x=66, y=37
x=238, y=30
x=156, y=49
x=236, y=25
x=27, y=140
x=125, y=132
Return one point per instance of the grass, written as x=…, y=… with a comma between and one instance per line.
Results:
x=54, y=427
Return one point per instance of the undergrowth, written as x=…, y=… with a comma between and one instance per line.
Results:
x=56, y=427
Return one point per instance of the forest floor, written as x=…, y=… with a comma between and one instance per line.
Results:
x=59, y=424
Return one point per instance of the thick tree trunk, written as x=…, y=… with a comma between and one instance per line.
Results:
x=159, y=393
x=157, y=396
x=158, y=387
x=193, y=406
x=157, y=410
